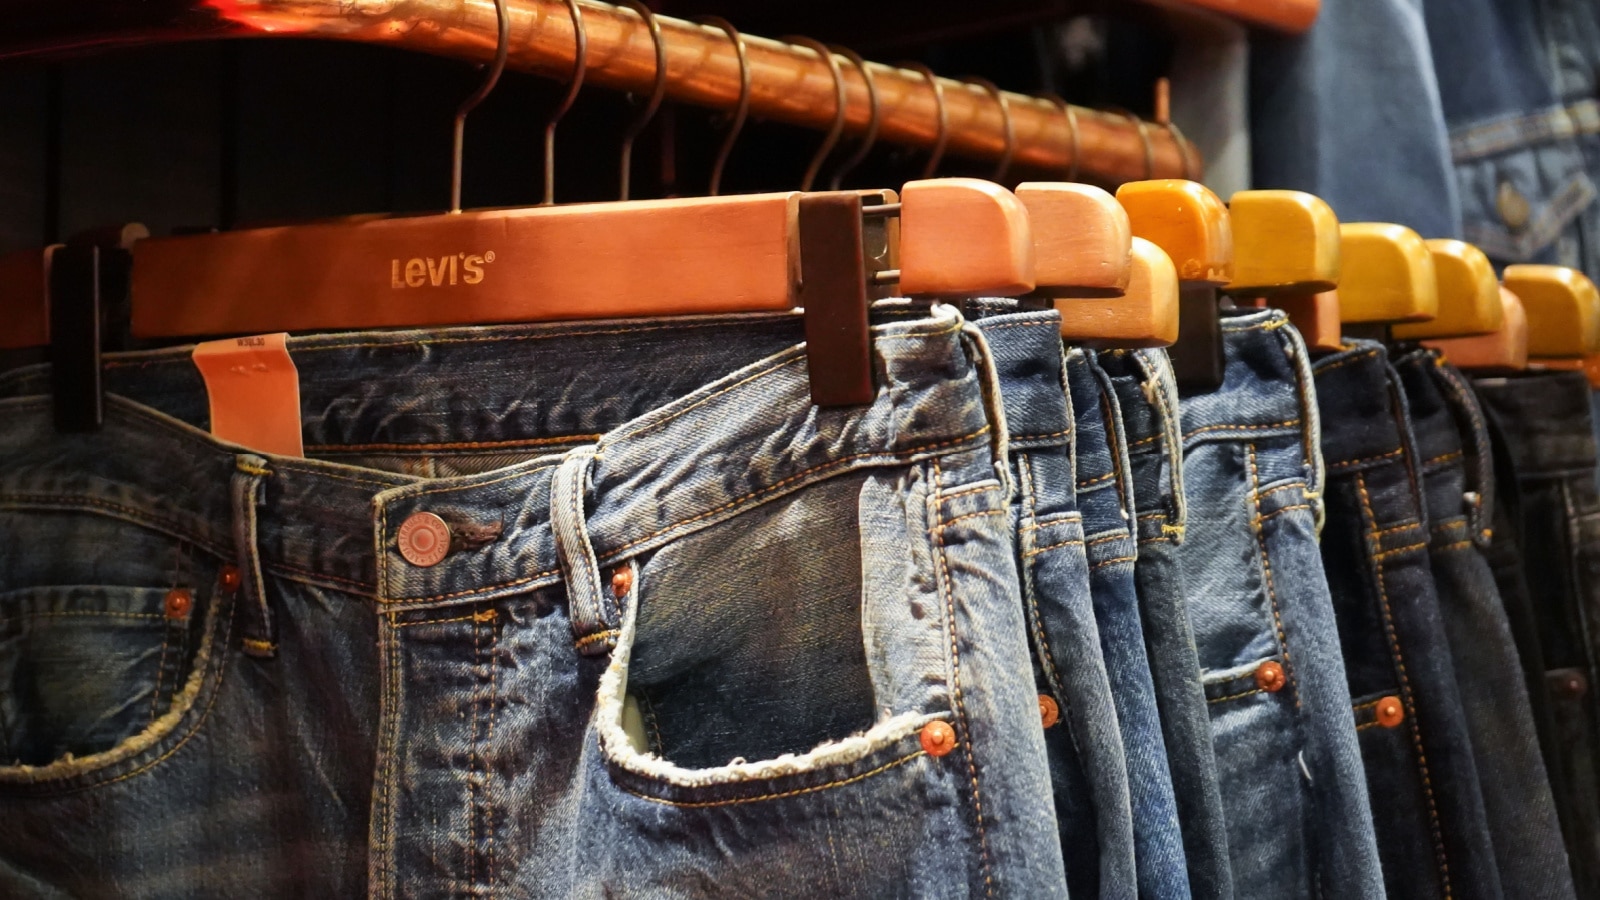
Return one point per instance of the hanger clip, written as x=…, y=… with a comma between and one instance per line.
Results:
x=833, y=293
x=1197, y=358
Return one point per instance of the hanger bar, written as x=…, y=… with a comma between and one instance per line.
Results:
x=789, y=83
x=1286, y=16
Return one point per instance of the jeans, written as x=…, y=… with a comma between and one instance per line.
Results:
x=1299, y=824
x=1105, y=496
x=1148, y=398
x=1549, y=455
x=691, y=635
x=1458, y=495
x=1428, y=809
x=1088, y=772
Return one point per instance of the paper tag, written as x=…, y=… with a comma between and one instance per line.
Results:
x=255, y=392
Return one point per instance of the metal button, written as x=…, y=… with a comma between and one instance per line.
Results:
x=1269, y=677
x=424, y=539
x=1049, y=710
x=1514, y=208
x=1390, y=712
x=178, y=603
x=938, y=738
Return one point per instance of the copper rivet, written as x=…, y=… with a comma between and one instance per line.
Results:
x=230, y=578
x=622, y=581
x=424, y=539
x=938, y=738
x=1049, y=711
x=1576, y=687
x=1269, y=677
x=1390, y=712
x=178, y=603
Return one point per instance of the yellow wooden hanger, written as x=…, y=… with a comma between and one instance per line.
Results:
x=1469, y=295
x=1287, y=255
x=1503, y=350
x=1388, y=277
x=1563, y=310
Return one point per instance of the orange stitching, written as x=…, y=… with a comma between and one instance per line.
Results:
x=1404, y=526
x=1290, y=423
x=1291, y=486
x=595, y=638
x=1399, y=550
x=1144, y=440
x=1097, y=481
x=1271, y=585
x=976, y=515
x=1451, y=523
x=1063, y=518
x=1040, y=437
x=253, y=470
x=63, y=613
x=474, y=617
x=1455, y=546
x=259, y=644
x=1262, y=517
x=1075, y=542
x=971, y=490
x=1356, y=462
x=1347, y=361
x=1046, y=658
x=1111, y=562
x=705, y=804
x=459, y=445
x=1036, y=324
x=1456, y=454
x=1405, y=691
x=1119, y=536
x=1234, y=696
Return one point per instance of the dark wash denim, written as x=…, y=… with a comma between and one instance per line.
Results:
x=1105, y=497
x=1458, y=496
x=1299, y=824
x=1088, y=771
x=684, y=642
x=1148, y=399
x=1543, y=422
x=1428, y=809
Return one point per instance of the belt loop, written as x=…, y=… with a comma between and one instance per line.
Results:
x=994, y=408
x=260, y=633
x=594, y=610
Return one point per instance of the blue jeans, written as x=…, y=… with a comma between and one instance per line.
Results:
x=1148, y=398
x=691, y=635
x=1105, y=497
x=1088, y=772
x=1458, y=494
x=1428, y=809
x=1551, y=539
x=1299, y=824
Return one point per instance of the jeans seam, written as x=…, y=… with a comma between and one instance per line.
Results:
x=1393, y=638
x=780, y=795
x=383, y=793
x=1047, y=660
x=1266, y=571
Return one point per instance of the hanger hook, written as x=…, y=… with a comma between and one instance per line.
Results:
x=1183, y=149
x=868, y=137
x=1005, y=116
x=940, y=140
x=1144, y=137
x=657, y=91
x=741, y=111
x=580, y=63
x=458, y=148
x=839, y=101
x=1071, y=116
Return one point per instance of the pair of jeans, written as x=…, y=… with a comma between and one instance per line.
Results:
x=1299, y=824
x=1428, y=810
x=1105, y=497
x=1147, y=396
x=690, y=634
x=1457, y=470
x=1089, y=775
x=1551, y=538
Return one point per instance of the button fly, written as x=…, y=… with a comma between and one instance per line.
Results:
x=424, y=539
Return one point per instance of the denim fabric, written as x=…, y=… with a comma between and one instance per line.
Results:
x=1299, y=824
x=1105, y=496
x=1428, y=810
x=1148, y=399
x=1088, y=771
x=685, y=641
x=1458, y=497
x=1543, y=421
x=1350, y=111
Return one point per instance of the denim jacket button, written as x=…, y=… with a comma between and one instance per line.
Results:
x=1269, y=677
x=938, y=738
x=1514, y=208
x=424, y=539
x=1390, y=712
x=1049, y=710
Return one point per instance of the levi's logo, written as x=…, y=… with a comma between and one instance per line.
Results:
x=437, y=271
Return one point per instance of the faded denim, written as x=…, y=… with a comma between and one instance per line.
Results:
x=1105, y=497
x=1148, y=399
x=1428, y=809
x=1299, y=824
x=684, y=642
x=1088, y=771
x=1549, y=451
x=1459, y=497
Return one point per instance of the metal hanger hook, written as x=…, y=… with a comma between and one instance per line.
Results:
x=1149, y=147
x=1005, y=117
x=942, y=139
x=657, y=91
x=580, y=63
x=1183, y=149
x=458, y=149
x=839, y=108
x=868, y=137
x=1071, y=115
x=741, y=111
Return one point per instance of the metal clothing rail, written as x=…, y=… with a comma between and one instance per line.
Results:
x=789, y=83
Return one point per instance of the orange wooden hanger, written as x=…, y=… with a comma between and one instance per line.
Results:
x=1144, y=315
x=1287, y=255
x=1503, y=350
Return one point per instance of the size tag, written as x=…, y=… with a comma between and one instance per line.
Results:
x=255, y=392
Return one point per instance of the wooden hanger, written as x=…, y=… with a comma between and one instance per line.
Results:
x=1503, y=350
x=24, y=298
x=1144, y=315
x=1469, y=295
x=1287, y=255
x=1388, y=277
x=1191, y=225
x=1563, y=309
x=1082, y=239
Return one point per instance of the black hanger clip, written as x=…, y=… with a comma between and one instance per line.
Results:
x=834, y=293
x=1197, y=357
x=89, y=276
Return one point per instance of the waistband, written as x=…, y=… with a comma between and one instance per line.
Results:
x=1147, y=395
x=659, y=471
x=1545, y=417
x=1450, y=430
x=1365, y=411
x=1027, y=353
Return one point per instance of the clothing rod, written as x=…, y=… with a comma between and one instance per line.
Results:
x=789, y=83
x=1286, y=16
